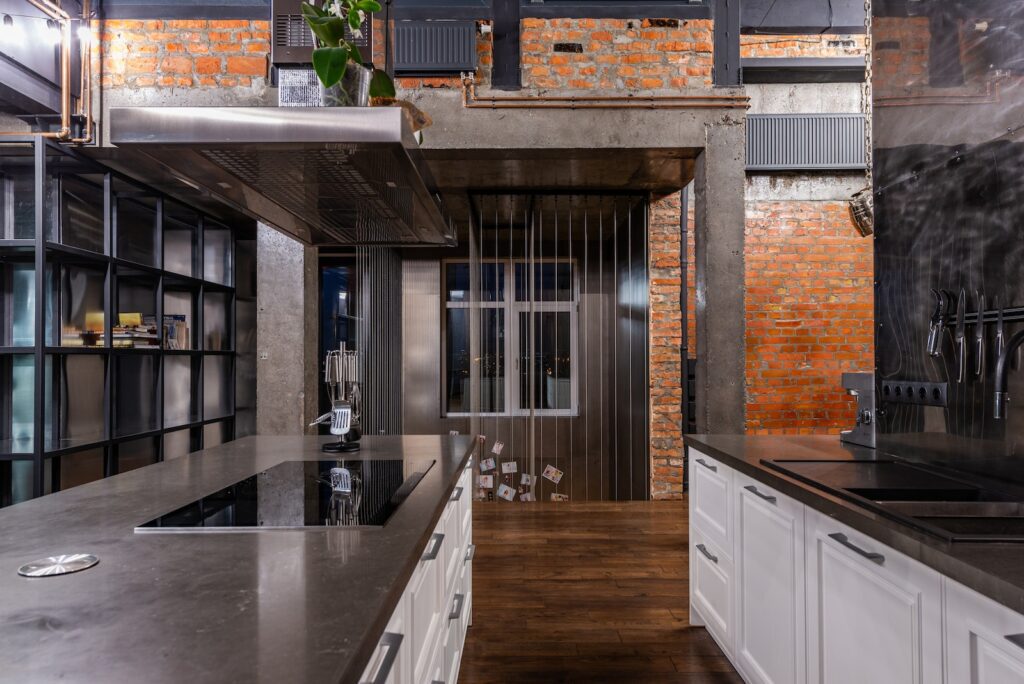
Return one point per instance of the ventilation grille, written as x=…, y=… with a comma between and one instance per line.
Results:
x=805, y=141
x=293, y=41
x=435, y=46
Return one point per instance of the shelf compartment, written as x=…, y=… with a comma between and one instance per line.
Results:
x=78, y=468
x=178, y=443
x=217, y=321
x=135, y=394
x=15, y=481
x=17, y=304
x=218, y=255
x=81, y=212
x=179, y=330
x=81, y=397
x=181, y=230
x=136, y=453
x=215, y=434
x=181, y=378
x=217, y=386
x=136, y=307
x=81, y=297
x=136, y=227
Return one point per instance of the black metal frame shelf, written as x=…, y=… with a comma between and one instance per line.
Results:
x=112, y=278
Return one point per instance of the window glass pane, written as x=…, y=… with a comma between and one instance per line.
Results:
x=489, y=364
x=82, y=213
x=15, y=482
x=217, y=255
x=81, y=305
x=216, y=387
x=492, y=282
x=178, y=375
x=136, y=454
x=23, y=305
x=216, y=316
x=545, y=376
x=82, y=398
x=135, y=398
x=23, y=194
x=80, y=468
x=136, y=231
x=552, y=281
x=22, y=392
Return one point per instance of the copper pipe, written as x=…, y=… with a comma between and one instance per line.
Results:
x=470, y=100
x=85, y=97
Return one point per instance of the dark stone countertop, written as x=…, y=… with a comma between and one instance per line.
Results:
x=253, y=606
x=993, y=569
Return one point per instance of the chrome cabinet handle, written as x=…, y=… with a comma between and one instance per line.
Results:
x=437, y=538
x=767, y=497
x=707, y=465
x=460, y=600
x=470, y=553
x=707, y=554
x=456, y=494
x=391, y=641
x=1016, y=639
x=870, y=555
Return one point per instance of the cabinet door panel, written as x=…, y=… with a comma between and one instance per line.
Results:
x=711, y=588
x=869, y=619
x=711, y=499
x=770, y=581
x=978, y=650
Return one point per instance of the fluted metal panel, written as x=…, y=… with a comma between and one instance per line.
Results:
x=380, y=339
x=435, y=46
x=778, y=142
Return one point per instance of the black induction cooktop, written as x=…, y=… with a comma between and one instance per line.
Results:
x=297, y=494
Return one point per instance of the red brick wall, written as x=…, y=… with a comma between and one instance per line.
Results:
x=617, y=54
x=809, y=307
x=184, y=53
x=900, y=58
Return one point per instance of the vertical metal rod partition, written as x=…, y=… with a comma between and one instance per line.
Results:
x=39, y=324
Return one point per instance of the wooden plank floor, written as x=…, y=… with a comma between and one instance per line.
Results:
x=585, y=592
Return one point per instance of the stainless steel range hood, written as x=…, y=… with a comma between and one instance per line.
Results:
x=328, y=176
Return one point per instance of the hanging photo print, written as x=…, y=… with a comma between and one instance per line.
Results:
x=506, y=492
x=552, y=473
x=526, y=496
x=527, y=480
x=559, y=497
x=509, y=467
x=496, y=449
x=453, y=433
x=485, y=481
x=488, y=464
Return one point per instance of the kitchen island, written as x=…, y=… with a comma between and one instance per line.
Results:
x=303, y=604
x=788, y=572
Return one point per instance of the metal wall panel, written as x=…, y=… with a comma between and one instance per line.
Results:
x=777, y=142
x=379, y=337
x=435, y=46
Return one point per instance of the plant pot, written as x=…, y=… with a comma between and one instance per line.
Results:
x=352, y=91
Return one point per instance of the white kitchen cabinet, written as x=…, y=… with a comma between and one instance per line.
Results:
x=390, y=662
x=873, y=615
x=711, y=588
x=984, y=640
x=711, y=503
x=769, y=564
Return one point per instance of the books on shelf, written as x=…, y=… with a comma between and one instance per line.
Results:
x=176, y=332
x=135, y=331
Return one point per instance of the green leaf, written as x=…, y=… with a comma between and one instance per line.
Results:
x=329, y=30
x=354, y=54
x=353, y=21
x=368, y=6
x=329, y=64
x=381, y=84
x=309, y=10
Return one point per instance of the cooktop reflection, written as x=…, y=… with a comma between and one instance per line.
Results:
x=295, y=494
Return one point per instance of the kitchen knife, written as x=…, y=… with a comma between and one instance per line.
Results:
x=960, y=335
x=1000, y=327
x=979, y=336
x=935, y=326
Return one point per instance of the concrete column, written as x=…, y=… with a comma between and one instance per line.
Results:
x=721, y=326
x=287, y=334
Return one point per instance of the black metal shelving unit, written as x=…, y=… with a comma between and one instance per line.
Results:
x=97, y=244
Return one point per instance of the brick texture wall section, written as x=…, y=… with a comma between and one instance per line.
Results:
x=184, y=53
x=665, y=341
x=809, y=309
x=900, y=59
x=824, y=45
x=616, y=54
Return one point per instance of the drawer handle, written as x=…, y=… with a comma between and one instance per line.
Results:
x=1016, y=639
x=459, y=601
x=870, y=555
x=456, y=494
x=391, y=641
x=470, y=552
x=707, y=465
x=707, y=554
x=437, y=538
x=767, y=497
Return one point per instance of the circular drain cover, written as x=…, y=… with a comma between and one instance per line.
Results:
x=58, y=565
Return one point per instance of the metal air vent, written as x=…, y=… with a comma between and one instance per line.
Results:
x=780, y=142
x=435, y=46
x=292, y=41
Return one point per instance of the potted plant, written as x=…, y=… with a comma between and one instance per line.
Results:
x=337, y=61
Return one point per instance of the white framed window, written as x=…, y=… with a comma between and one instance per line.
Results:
x=513, y=349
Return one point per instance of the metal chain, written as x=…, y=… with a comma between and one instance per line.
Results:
x=867, y=93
